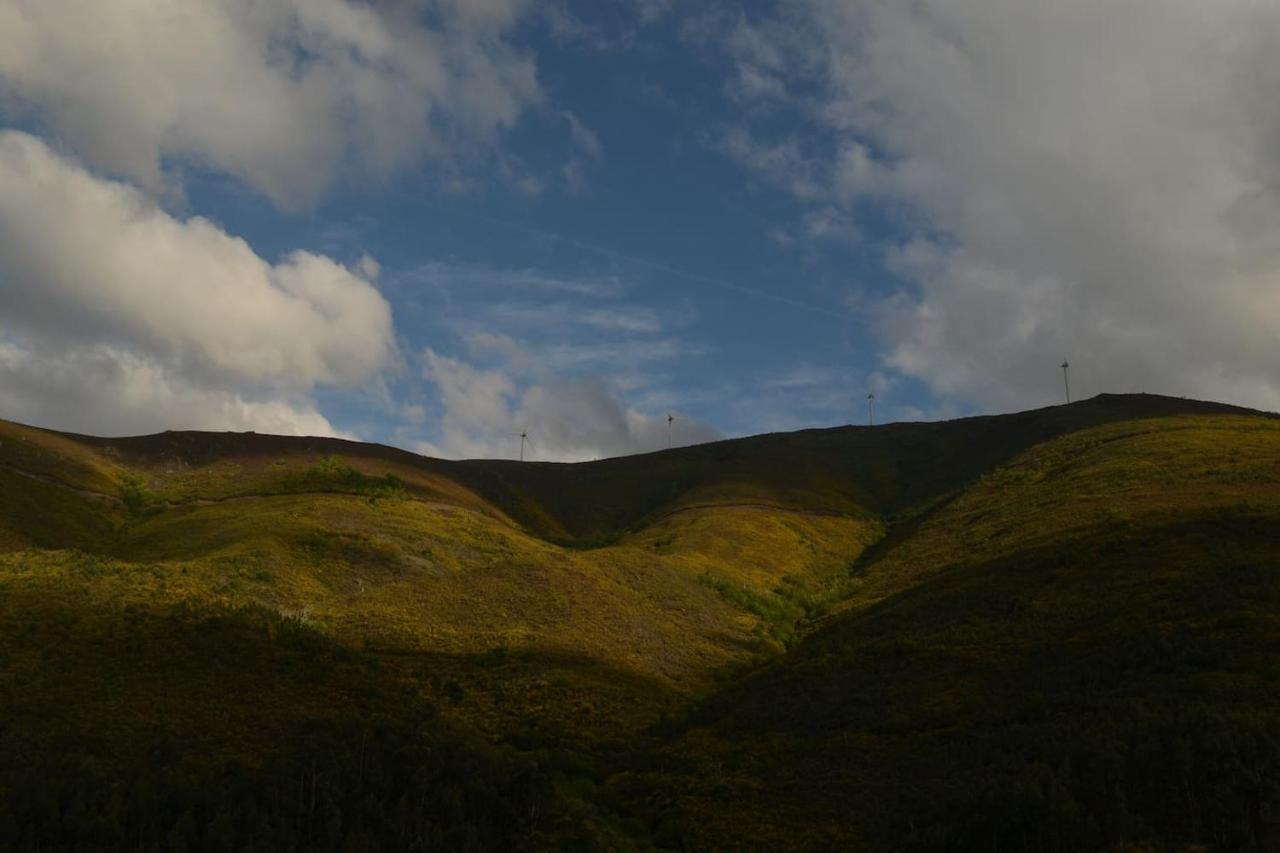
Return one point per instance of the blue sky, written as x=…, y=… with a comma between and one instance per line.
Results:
x=434, y=224
x=718, y=316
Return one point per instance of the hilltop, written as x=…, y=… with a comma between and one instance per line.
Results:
x=889, y=467
x=858, y=636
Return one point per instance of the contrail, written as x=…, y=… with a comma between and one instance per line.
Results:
x=656, y=265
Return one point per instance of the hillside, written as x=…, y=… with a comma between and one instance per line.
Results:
x=1077, y=652
x=832, y=638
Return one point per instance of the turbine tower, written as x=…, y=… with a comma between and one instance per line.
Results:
x=524, y=436
x=670, y=418
x=871, y=409
x=1066, y=384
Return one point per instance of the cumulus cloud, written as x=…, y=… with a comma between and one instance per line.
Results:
x=1093, y=180
x=103, y=390
x=586, y=362
x=283, y=94
x=568, y=418
x=137, y=319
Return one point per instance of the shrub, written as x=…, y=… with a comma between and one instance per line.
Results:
x=138, y=499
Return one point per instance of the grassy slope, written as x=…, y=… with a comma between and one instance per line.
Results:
x=1079, y=651
x=382, y=554
x=133, y=724
x=565, y=605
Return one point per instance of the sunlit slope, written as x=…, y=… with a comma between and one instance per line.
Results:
x=395, y=559
x=1079, y=651
x=54, y=491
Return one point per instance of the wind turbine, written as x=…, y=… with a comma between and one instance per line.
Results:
x=871, y=409
x=670, y=418
x=1065, y=382
x=524, y=436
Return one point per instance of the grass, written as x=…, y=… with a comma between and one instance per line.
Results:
x=134, y=723
x=604, y=640
x=38, y=514
x=333, y=474
x=1076, y=652
x=836, y=638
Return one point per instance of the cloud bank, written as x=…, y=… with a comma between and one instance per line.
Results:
x=568, y=418
x=1093, y=180
x=283, y=94
x=578, y=361
x=117, y=317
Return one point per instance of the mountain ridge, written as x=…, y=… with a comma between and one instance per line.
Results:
x=670, y=646
x=509, y=486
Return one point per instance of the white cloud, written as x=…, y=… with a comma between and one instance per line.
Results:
x=545, y=315
x=583, y=137
x=533, y=356
x=470, y=396
x=806, y=395
x=831, y=223
x=284, y=94
x=783, y=162
x=652, y=10
x=368, y=268
x=104, y=292
x=470, y=279
x=102, y=390
x=601, y=25
x=1091, y=179
x=568, y=419
x=586, y=148
x=558, y=320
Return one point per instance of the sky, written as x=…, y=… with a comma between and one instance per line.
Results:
x=438, y=223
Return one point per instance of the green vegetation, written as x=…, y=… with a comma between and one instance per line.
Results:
x=1055, y=630
x=139, y=501
x=215, y=728
x=1076, y=652
x=332, y=474
x=780, y=612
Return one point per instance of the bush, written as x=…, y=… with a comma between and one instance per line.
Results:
x=139, y=501
x=333, y=474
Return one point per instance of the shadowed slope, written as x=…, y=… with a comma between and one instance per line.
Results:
x=1080, y=651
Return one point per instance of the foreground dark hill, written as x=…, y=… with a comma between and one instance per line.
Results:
x=947, y=635
x=1080, y=651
